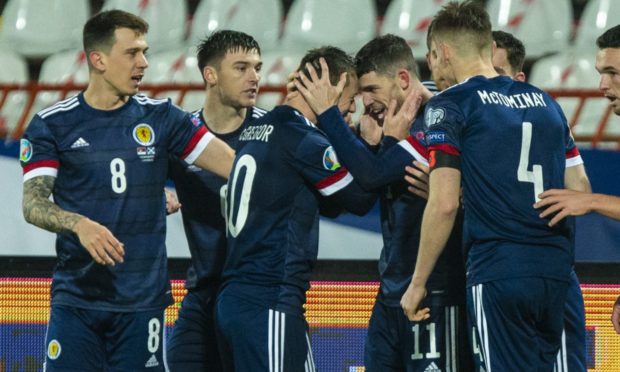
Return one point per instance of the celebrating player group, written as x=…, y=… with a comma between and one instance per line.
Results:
x=477, y=178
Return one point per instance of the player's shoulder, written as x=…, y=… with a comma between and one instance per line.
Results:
x=60, y=108
x=256, y=112
x=144, y=100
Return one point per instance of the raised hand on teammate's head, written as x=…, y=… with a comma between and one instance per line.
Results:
x=397, y=124
x=319, y=93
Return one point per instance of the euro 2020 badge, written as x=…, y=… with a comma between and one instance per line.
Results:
x=144, y=135
x=330, y=160
x=53, y=350
x=25, y=150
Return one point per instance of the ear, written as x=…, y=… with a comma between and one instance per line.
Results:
x=404, y=78
x=493, y=48
x=520, y=76
x=97, y=60
x=210, y=75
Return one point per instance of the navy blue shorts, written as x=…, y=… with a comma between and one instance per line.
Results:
x=572, y=355
x=193, y=343
x=255, y=338
x=517, y=323
x=439, y=343
x=91, y=340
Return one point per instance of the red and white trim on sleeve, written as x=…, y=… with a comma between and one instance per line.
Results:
x=196, y=145
x=573, y=157
x=40, y=168
x=448, y=149
x=334, y=182
x=416, y=149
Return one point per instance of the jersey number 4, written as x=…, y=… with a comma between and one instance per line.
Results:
x=534, y=176
x=240, y=208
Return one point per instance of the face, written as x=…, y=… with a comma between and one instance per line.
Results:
x=346, y=103
x=124, y=66
x=237, y=78
x=377, y=91
x=608, y=66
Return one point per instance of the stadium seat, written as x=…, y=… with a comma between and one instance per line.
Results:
x=176, y=66
x=39, y=28
x=14, y=70
x=573, y=70
x=259, y=18
x=410, y=19
x=276, y=68
x=543, y=26
x=347, y=24
x=166, y=20
x=597, y=16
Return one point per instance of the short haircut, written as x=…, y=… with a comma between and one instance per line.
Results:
x=384, y=55
x=337, y=61
x=98, y=33
x=609, y=39
x=467, y=24
x=514, y=49
x=213, y=49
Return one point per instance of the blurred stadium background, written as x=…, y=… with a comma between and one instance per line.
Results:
x=41, y=62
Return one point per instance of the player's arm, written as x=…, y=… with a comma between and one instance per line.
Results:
x=217, y=157
x=40, y=211
x=437, y=223
x=370, y=170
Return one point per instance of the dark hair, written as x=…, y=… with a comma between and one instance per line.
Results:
x=609, y=39
x=467, y=19
x=212, y=50
x=514, y=49
x=337, y=61
x=385, y=54
x=98, y=31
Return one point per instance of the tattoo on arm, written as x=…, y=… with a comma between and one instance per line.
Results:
x=42, y=212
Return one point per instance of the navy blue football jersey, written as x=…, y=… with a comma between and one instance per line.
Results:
x=401, y=211
x=283, y=166
x=202, y=195
x=111, y=166
x=514, y=142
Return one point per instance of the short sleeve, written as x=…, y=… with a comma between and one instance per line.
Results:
x=318, y=163
x=38, y=153
x=188, y=135
x=444, y=126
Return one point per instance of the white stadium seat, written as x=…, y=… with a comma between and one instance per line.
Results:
x=39, y=28
x=259, y=18
x=597, y=16
x=410, y=19
x=543, y=26
x=166, y=20
x=347, y=24
x=14, y=70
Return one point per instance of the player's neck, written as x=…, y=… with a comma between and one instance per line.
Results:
x=296, y=101
x=102, y=97
x=221, y=118
x=474, y=67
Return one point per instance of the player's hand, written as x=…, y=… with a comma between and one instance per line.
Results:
x=370, y=130
x=319, y=93
x=417, y=178
x=172, y=202
x=103, y=247
x=564, y=203
x=615, y=316
x=397, y=124
x=411, y=301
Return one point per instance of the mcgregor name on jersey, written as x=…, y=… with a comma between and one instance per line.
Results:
x=256, y=133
